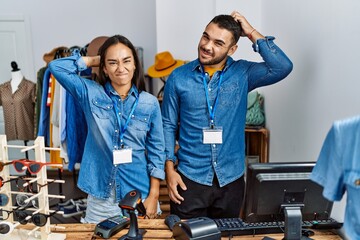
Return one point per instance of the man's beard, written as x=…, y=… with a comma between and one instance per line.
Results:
x=213, y=61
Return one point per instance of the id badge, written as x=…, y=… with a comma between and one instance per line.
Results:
x=212, y=135
x=123, y=155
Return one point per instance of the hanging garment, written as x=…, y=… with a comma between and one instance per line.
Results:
x=19, y=110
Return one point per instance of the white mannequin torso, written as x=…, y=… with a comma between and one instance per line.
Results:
x=16, y=78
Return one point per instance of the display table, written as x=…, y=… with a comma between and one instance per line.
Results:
x=156, y=229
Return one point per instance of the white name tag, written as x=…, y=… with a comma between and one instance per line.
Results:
x=212, y=136
x=123, y=155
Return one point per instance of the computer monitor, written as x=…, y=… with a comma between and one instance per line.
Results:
x=284, y=192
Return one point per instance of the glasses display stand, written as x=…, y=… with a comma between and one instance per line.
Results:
x=44, y=232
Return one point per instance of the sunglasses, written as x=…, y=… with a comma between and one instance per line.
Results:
x=25, y=184
x=39, y=219
x=6, y=228
x=6, y=213
x=22, y=201
x=34, y=167
x=4, y=199
x=2, y=165
x=10, y=180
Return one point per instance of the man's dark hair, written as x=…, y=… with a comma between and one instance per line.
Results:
x=228, y=22
x=138, y=78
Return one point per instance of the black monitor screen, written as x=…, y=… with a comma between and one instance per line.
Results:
x=271, y=186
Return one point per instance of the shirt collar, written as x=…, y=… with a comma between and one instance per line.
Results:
x=197, y=64
x=109, y=89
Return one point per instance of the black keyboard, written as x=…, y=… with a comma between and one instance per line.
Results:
x=326, y=224
x=237, y=227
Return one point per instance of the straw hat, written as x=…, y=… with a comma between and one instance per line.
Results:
x=164, y=65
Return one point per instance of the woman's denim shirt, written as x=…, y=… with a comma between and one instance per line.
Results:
x=338, y=170
x=144, y=134
x=185, y=102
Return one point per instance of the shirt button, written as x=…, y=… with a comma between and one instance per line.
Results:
x=209, y=89
x=357, y=182
x=214, y=145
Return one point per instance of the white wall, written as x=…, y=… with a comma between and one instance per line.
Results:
x=68, y=23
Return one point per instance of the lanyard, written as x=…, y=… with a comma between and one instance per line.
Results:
x=213, y=108
x=123, y=129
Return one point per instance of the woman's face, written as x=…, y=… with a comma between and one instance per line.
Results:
x=119, y=65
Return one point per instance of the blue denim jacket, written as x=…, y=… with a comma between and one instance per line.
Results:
x=338, y=170
x=185, y=102
x=144, y=134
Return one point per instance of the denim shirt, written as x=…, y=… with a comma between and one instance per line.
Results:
x=185, y=102
x=338, y=170
x=144, y=134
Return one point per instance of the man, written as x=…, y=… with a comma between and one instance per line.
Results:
x=206, y=99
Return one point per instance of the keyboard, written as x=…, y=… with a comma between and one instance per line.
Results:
x=237, y=227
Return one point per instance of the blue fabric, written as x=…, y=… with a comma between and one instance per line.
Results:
x=338, y=170
x=185, y=102
x=144, y=134
x=76, y=131
x=44, y=119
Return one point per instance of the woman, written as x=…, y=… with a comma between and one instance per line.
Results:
x=124, y=148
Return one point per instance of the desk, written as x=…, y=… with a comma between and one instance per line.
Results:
x=156, y=229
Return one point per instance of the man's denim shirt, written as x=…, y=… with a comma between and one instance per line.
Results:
x=98, y=175
x=338, y=170
x=185, y=103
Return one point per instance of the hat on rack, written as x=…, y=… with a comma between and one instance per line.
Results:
x=93, y=49
x=48, y=57
x=164, y=65
x=95, y=44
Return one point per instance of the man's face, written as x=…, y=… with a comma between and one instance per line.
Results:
x=215, y=45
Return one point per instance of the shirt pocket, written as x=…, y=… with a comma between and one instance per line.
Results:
x=352, y=182
x=101, y=108
x=140, y=121
x=229, y=94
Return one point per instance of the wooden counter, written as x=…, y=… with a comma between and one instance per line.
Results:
x=156, y=229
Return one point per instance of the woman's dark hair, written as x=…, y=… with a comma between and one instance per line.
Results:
x=138, y=78
x=228, y=22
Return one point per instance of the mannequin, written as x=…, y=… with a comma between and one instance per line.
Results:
x=16, y=77
x=17, y=98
